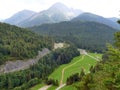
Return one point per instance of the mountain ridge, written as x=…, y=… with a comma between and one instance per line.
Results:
x=19, y=17
x=84, y=34
x=96, y=18
x=56, y=13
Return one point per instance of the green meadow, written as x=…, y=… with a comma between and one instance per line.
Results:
x=75, y=66
x=81, y=62
x=36, y=87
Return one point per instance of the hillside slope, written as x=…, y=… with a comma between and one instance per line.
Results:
x=56, y=13
x=19, y=17
x=89, y=35
x=106, y=74
x=38, y=72
x=96, y=18
x=18, y=43
x=17, y=65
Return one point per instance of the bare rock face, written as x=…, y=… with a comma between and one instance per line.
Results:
x=17, y=65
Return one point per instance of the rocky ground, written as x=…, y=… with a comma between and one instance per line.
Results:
x=17, y=65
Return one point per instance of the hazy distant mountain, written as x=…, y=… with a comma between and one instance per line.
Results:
x=96, y=18
x=19, y=17
x=0, y=19
x=114, y=19
x=56, y=13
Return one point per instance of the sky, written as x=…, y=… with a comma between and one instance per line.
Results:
x=105, y=8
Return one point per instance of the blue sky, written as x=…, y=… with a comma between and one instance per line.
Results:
x=106, y=8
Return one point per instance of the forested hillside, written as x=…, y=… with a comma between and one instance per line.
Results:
x=96, y=18
x=25, y=79
x=56, y=13
x=106, y=74
x=18, y=43
x=88, y=35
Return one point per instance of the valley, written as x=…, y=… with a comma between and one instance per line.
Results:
x=52, y=46
x=75, y=66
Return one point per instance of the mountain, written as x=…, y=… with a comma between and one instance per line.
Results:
x=1, y=19
x=114, y=19
x=19, y=17
x=96, y=18
x=56, y=13
x=84, y=34
x=18, y=43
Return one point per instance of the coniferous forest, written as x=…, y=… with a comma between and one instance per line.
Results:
x=88, y=35
x=106, y=74
x=62, y=47
x=39, y=72
x=18, y=43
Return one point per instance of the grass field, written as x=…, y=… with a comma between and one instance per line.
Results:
x=75, y=66
x=52, y=88
x=36, y=87
x=70, y=87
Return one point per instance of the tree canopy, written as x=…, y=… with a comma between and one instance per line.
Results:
x=19, y=43
x=84, y=34
x=106, y=74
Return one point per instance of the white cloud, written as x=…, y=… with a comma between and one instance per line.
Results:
x=107, y=8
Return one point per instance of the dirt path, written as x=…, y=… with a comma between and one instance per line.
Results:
x=61, y=81
x=45, y=87
x=84, y=53
x=63, y=70
x=60, y=87
x=92, y=57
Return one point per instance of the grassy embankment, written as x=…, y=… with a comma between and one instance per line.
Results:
x=75, y=66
